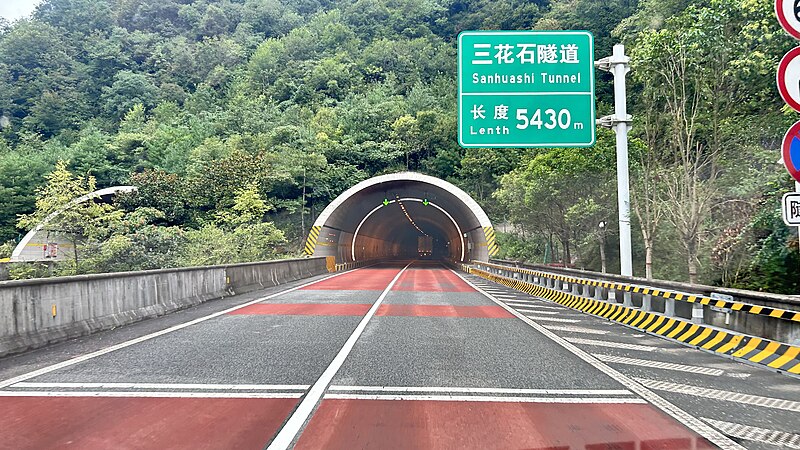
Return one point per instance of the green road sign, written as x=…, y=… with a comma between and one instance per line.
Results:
x=526, y=89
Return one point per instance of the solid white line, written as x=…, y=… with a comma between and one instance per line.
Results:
x=757, y=434
x=121, y=345
x=658, y=364
x=474, y=398
x=479, y=390
x=730, y=396
x=286, y=436
x=223, y=387
x=151, y=394
x=693, y=423
x=574, y=329
x=551, y=319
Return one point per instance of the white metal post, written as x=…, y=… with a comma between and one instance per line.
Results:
x=797, y=189
x=618, y=64
x=621, y=68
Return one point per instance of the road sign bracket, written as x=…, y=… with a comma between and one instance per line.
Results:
x=608, y=63
x=610, y=121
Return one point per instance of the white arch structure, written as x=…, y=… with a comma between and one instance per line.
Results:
x=114, y=190
x=339, y=225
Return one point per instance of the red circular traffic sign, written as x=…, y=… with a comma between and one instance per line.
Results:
x=788, y=12
x=790, y=148
x=788, y=78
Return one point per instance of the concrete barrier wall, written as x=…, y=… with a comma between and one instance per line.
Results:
x=46, y=310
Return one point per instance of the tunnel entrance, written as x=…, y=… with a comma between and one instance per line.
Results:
x=403, y=215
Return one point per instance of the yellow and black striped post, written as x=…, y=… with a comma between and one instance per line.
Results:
x=491, y=245
x=311, y=242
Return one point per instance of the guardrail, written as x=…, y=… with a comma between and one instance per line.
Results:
x=766, y=332
x=772, y=316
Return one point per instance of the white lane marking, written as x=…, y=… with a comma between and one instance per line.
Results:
x=121, y=345
x=658, y=364
x=551, y=319
x=750, y=433
x=529, y=309
x=738, y=375
x=693, y=423
x=642, y=348
x=574, y=329
x=474, y=398
x=222, y=387
x=301, y=414
x=479, y=390
x=736, y=397
x=151, y=394
x=541, y=306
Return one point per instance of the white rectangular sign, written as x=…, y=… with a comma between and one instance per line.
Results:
x=791, y=208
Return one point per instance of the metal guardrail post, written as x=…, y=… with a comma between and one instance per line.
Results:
x=576, y=289
x=647, y=302
x=697, y=313
x=586, y=291
x=669, y=307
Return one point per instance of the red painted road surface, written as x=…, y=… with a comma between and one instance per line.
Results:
x=140, y=423
x=358, y=280
x=304, y=309
x=250, y=423
x=418, y=424
x=431, y=280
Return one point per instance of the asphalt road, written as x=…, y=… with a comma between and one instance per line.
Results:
x=394, y=356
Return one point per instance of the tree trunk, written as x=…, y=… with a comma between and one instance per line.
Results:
x=648, y=259
x=603, y=254
x=691, y=250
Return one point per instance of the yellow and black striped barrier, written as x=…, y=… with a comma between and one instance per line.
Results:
x=311, y=242
x=491, y=243
x=773, y=354
x=735, y=306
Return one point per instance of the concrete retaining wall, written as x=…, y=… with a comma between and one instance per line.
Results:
x=46, y=310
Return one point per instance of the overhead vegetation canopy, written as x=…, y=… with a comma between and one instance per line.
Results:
x=241, y=119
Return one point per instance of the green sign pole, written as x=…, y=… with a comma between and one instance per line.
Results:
x=526, y=89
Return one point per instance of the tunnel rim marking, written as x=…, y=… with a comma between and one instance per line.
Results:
x=454, y=190
x=430, y=203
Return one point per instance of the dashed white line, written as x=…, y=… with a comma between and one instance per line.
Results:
x=574, y=329
x=658, y=365
x=747, y=399
x=529, y=309
x=551, y=319
x=481, y=390
x=475, y=398
x=642, y=348
x=763, y=435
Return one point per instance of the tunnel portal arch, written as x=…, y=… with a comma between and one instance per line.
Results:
x=384, y=217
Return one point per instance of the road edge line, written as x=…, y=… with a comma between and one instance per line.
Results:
x=688, y=420
x=78, y=359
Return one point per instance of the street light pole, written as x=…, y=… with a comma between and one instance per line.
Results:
x=618, y=64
